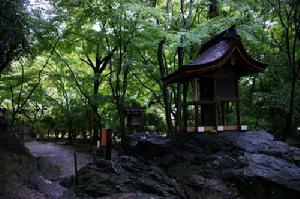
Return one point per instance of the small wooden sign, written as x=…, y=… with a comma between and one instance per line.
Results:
x=103, y=137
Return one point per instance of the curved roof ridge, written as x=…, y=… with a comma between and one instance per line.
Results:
x=247, y=58
x=228, y=34
x=213, y=53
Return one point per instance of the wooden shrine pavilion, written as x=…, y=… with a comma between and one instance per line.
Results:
x=211, y=84
x=134, y=117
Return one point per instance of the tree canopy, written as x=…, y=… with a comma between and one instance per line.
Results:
x=90, y=59
x=13, y=31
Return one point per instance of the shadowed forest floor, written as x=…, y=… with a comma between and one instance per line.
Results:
x=56, y=162
x=59, y=155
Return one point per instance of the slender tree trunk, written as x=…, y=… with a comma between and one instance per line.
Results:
x=33, y=125
x=121, y=119
x=70, y=131
x=163, y=73
x=153, y=3
x=291, y=108
x=179, y=88
x=185, y=25
x=96, y=122
x=13, y=117
x=213, y=9
x=98, y=67
x=169, y=13
x=180, y=51
x=120, y=89
x=97, y=119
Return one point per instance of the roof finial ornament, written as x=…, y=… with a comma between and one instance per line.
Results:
x=231, y=32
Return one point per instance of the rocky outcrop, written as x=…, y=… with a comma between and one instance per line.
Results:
x=264, y=143
x=125, y=174
x=149, y=146
x=226, y=165
x=24, y=176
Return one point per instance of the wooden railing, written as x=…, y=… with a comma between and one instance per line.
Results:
x=211, y=129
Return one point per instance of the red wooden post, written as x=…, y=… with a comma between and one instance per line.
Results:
x=103, y=137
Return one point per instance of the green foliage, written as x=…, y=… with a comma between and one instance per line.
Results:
x=65, y=43
x=13, y=31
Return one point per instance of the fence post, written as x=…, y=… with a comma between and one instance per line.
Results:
x=75, y=167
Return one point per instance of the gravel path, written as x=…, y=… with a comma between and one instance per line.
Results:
x=60, y=155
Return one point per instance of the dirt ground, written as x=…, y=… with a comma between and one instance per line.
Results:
x=59, y=155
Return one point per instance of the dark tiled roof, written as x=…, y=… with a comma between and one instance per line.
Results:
x=214, y=54
x=133, y=110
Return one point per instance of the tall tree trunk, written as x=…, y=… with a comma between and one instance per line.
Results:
x=119, y=89
x=169, y=13
x=163, y=73
x=70, y=131
x=291, y=108
x=120, y=106
x=179, y=88
x=98, y=67
x=213, y=9
x=288, y=15
x=185, y=25
x=97, y=119
x=96, y=123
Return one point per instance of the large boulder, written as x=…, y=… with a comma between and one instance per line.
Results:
x=227, y=165
x=261, y=142
x=147, y=145
x=125, y=175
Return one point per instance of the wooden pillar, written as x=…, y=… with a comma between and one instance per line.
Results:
x=201, y=115
x=238, y=111
x=178, y=105
x=215, y=102
x=185, y=115
x=196, y=115
x=223, y=113
x=195, y=85
x=216, y=115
